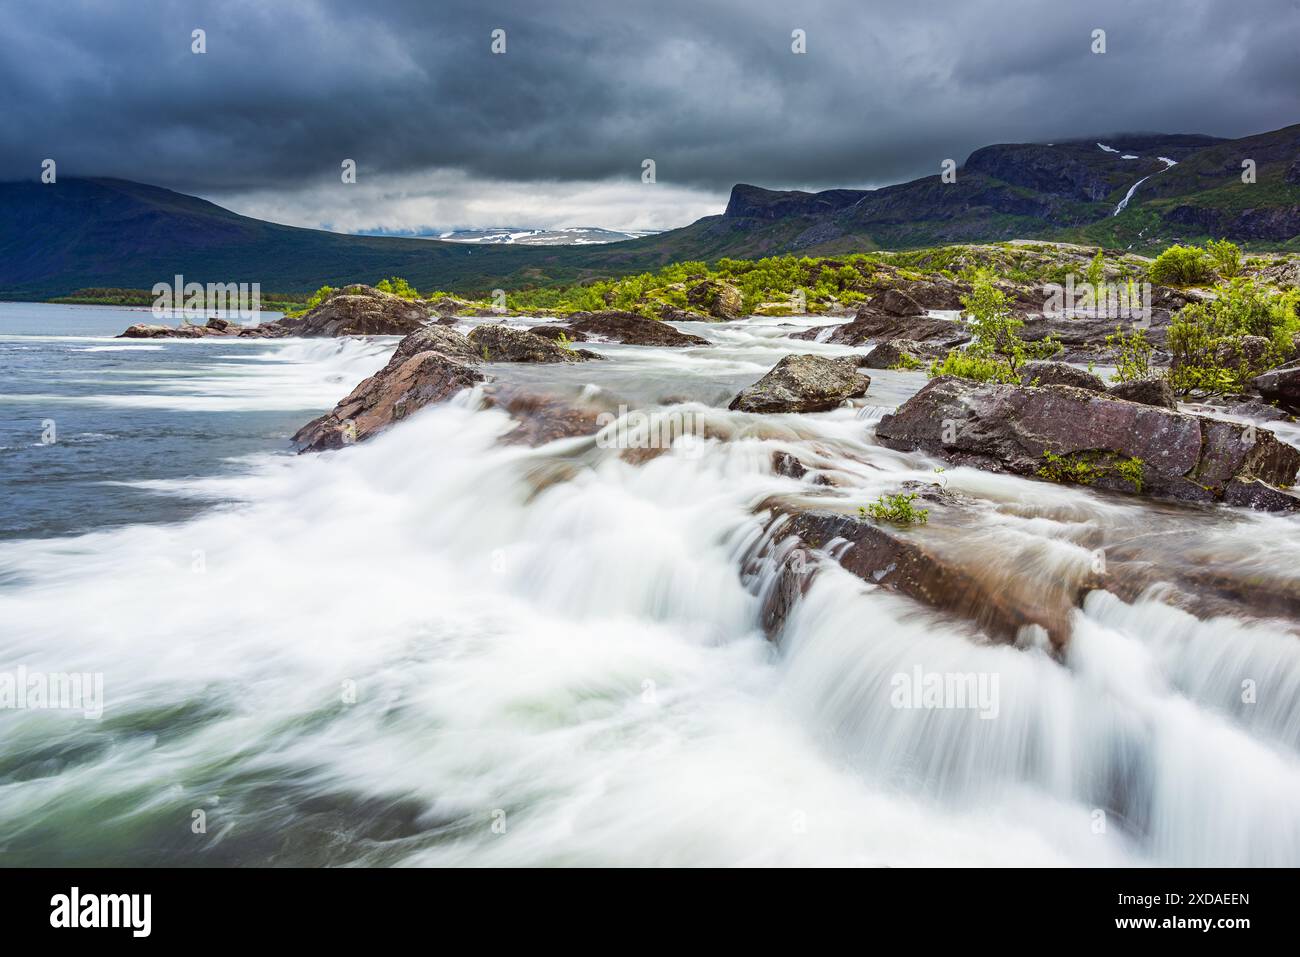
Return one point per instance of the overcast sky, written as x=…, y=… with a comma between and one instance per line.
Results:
x=553, y=131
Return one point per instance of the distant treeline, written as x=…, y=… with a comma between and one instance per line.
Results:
x=107, y=296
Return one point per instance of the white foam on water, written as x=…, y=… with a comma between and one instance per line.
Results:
x=560, y=641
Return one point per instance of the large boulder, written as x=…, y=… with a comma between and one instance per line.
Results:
x=414, y=377
x=1091, y=439
x=361, y=311
x=496, y=343
x=1281, y=385
x=895, y=302
x=1156, y=392
x=1060, y=373
x=435, y=338
x=804, y=383
x=631, y=329
x=721, y=300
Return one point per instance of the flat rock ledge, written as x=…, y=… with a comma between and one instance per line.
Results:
x=1072, y=435
x=355, y=310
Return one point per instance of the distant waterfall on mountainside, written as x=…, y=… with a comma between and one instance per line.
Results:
x=1123, y=203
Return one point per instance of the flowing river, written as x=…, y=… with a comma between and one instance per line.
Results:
x=435, y=648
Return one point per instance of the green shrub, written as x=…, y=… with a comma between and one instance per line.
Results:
x=906, y=362
x=996, y=351
x=897, y=509
x=1096, y=273
x=1084, y=468
x=1134, y=363
x=398, y=287
x=1181, y=266
x=969, y=364
x=1207, y=339
x=316, y=298
x=1226, y=257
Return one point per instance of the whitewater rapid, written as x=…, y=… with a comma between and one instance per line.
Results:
x=436, y=648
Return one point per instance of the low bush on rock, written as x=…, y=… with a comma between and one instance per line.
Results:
x=1084, y=469
x=1219, y=345
x=1134, y=355
x=897, y=509
x=397, y=287
x=996, y=351
x=1182, y=266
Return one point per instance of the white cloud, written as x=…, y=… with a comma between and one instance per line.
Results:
x=450, y=199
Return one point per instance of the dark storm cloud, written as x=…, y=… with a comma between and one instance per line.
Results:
x=585, y=91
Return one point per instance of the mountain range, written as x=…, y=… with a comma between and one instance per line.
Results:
x=1134, y=191
x=526, y=235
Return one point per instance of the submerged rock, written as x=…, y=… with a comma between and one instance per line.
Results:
x=1072, y=435
x=804, y=383
x=928, y=564
x=1257, y=409
x=541, y=417
x=497, y=343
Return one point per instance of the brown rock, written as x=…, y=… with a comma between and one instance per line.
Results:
x=1060, y=373
x=359, y=310
x=871, y=325
x=896, y=352
x=804, y=383
x=414, y=377
x=1155, y=392
x=895, y=302
x=1012, y=428
x=629, y=328
x=496, y=343
x=721, y=300
x=1281, y=385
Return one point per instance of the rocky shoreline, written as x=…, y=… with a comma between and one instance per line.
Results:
x=1059, y=423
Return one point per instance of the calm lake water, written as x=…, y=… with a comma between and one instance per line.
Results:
x=126, y=415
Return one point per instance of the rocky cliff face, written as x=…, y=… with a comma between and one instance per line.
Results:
x=1023, y=190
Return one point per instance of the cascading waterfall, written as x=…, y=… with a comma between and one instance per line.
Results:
x=434, y=648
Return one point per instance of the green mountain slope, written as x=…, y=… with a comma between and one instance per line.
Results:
x=81, y=233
